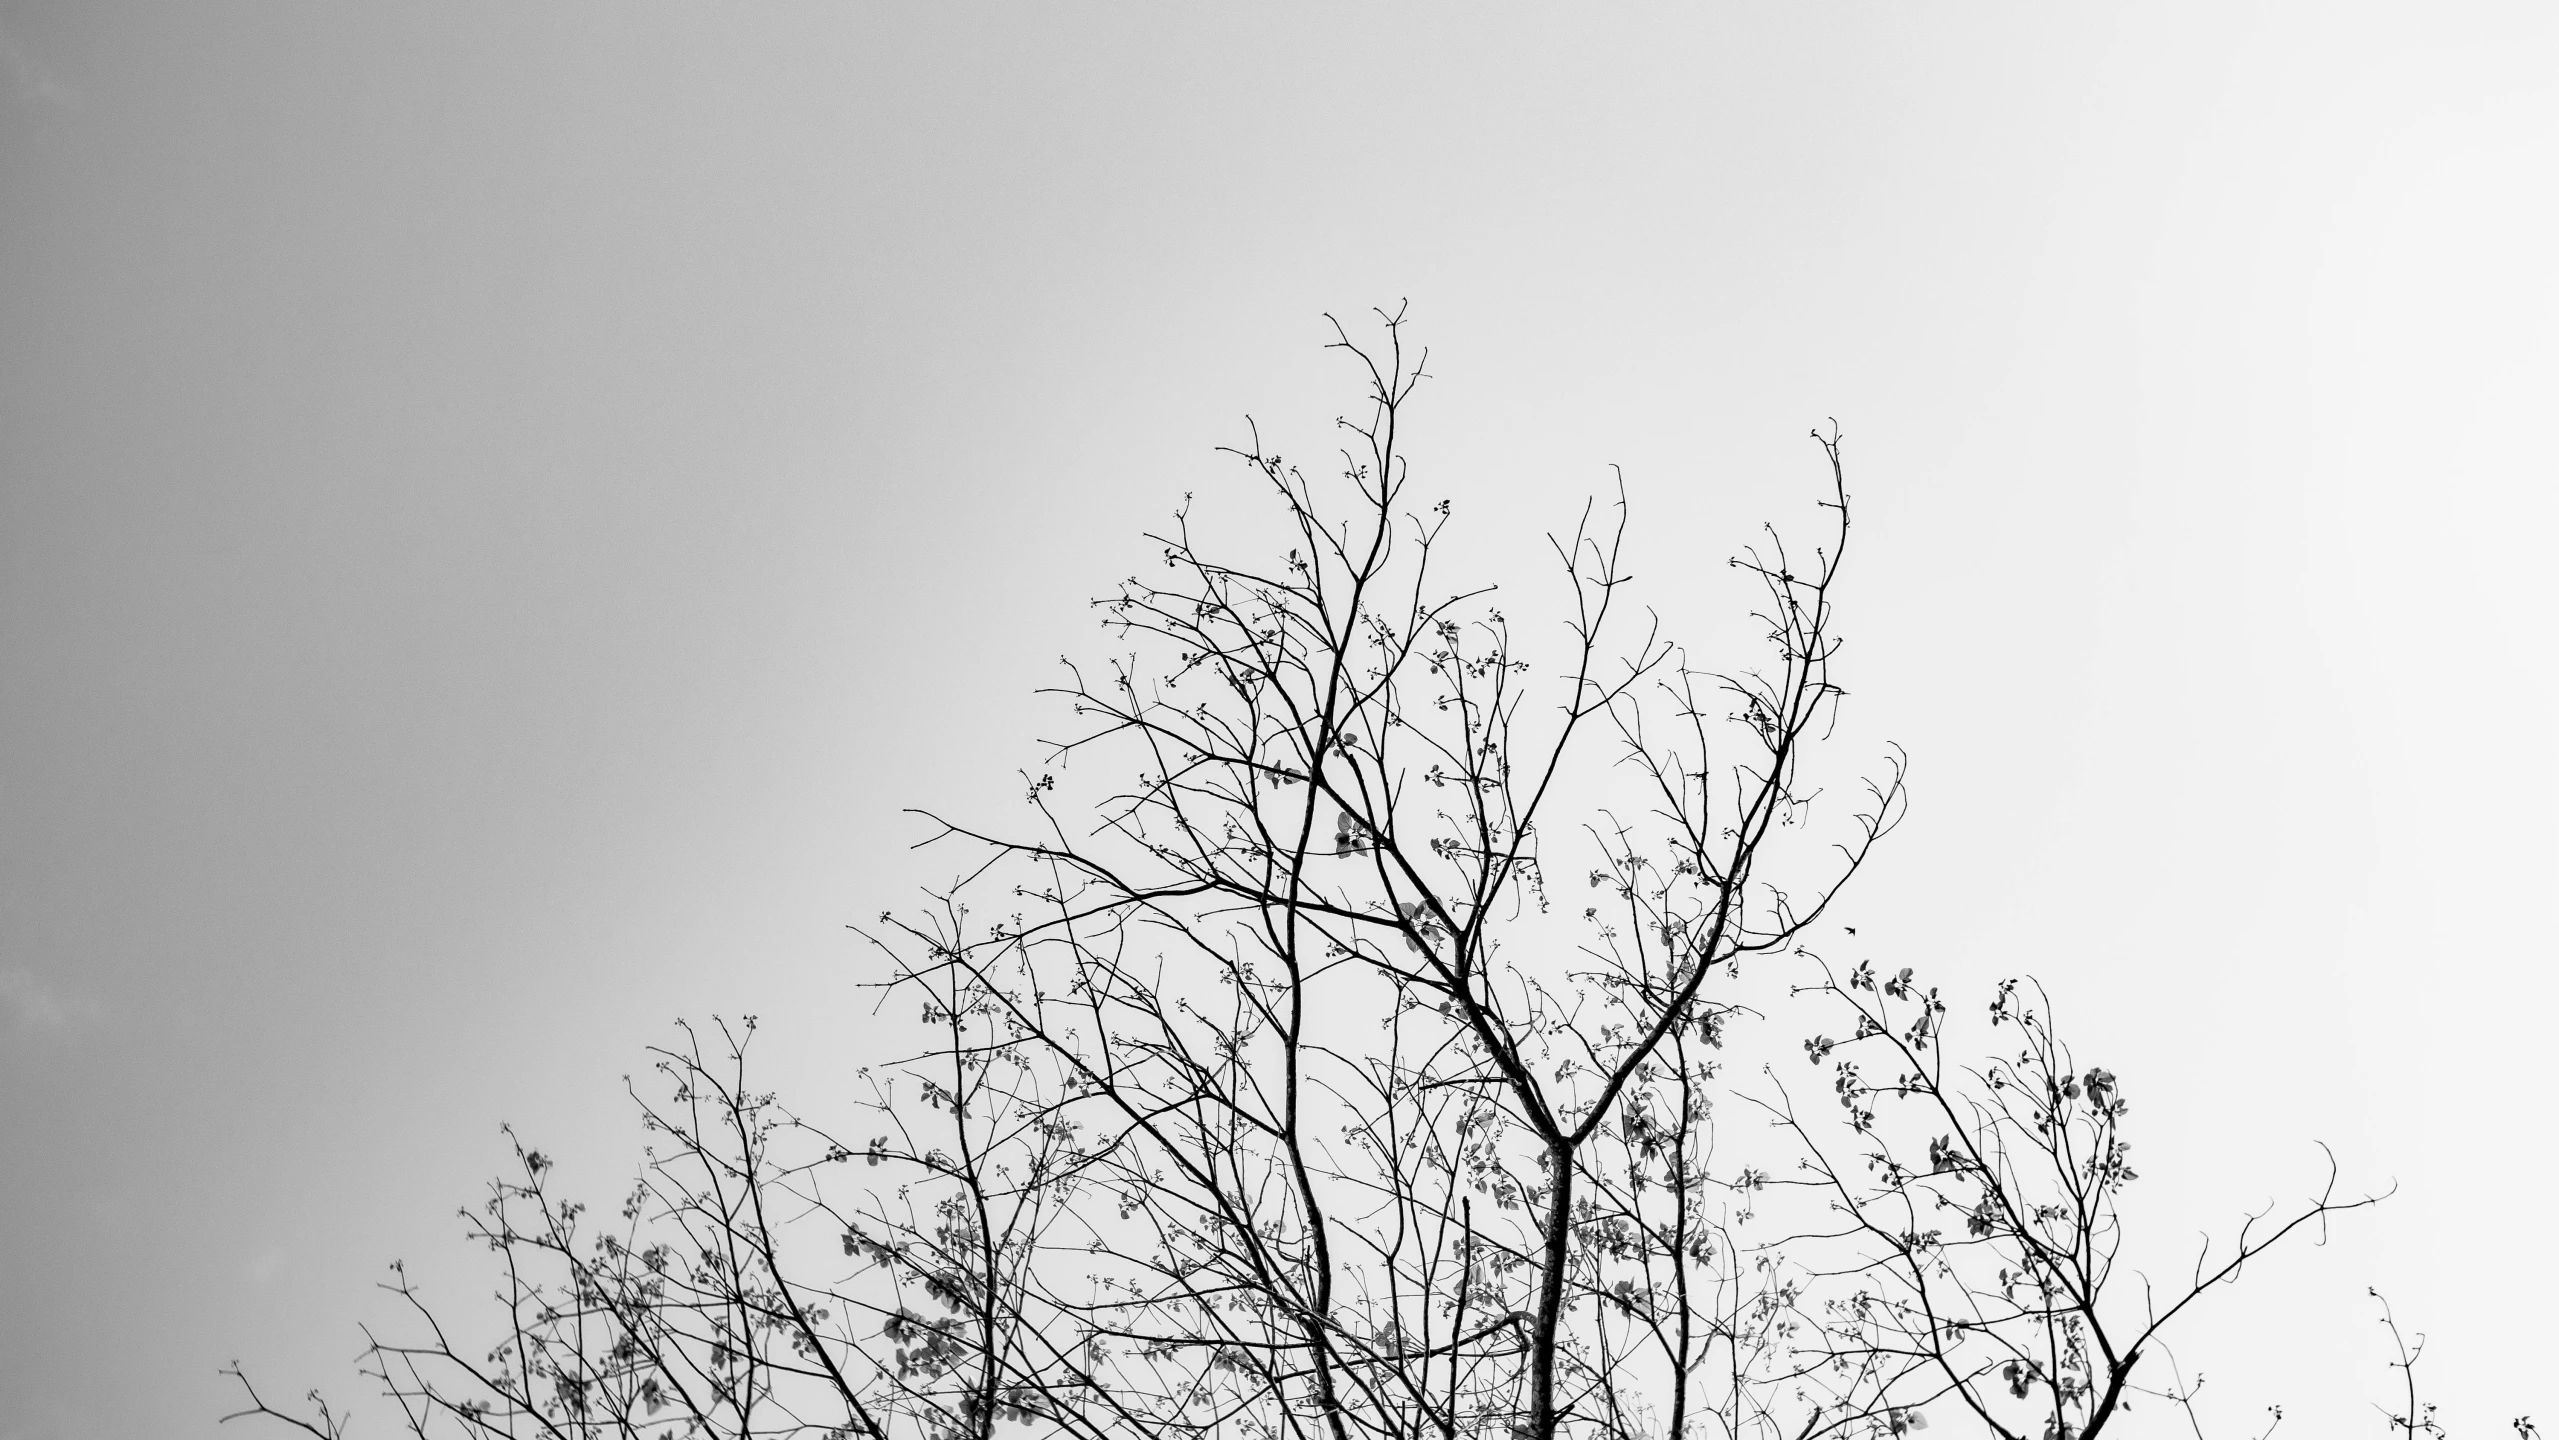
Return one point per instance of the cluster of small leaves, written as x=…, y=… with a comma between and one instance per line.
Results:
x=1986, y=1206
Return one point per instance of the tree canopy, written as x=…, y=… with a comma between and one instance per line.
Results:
x=1390, y=1015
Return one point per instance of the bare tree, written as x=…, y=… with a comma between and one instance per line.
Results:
x=1357, y=1040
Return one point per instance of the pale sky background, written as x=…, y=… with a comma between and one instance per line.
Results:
x=500, y=507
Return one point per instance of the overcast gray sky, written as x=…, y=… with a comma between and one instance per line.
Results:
x=501, y=505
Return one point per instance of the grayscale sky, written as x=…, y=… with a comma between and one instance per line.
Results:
x=501, y=506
